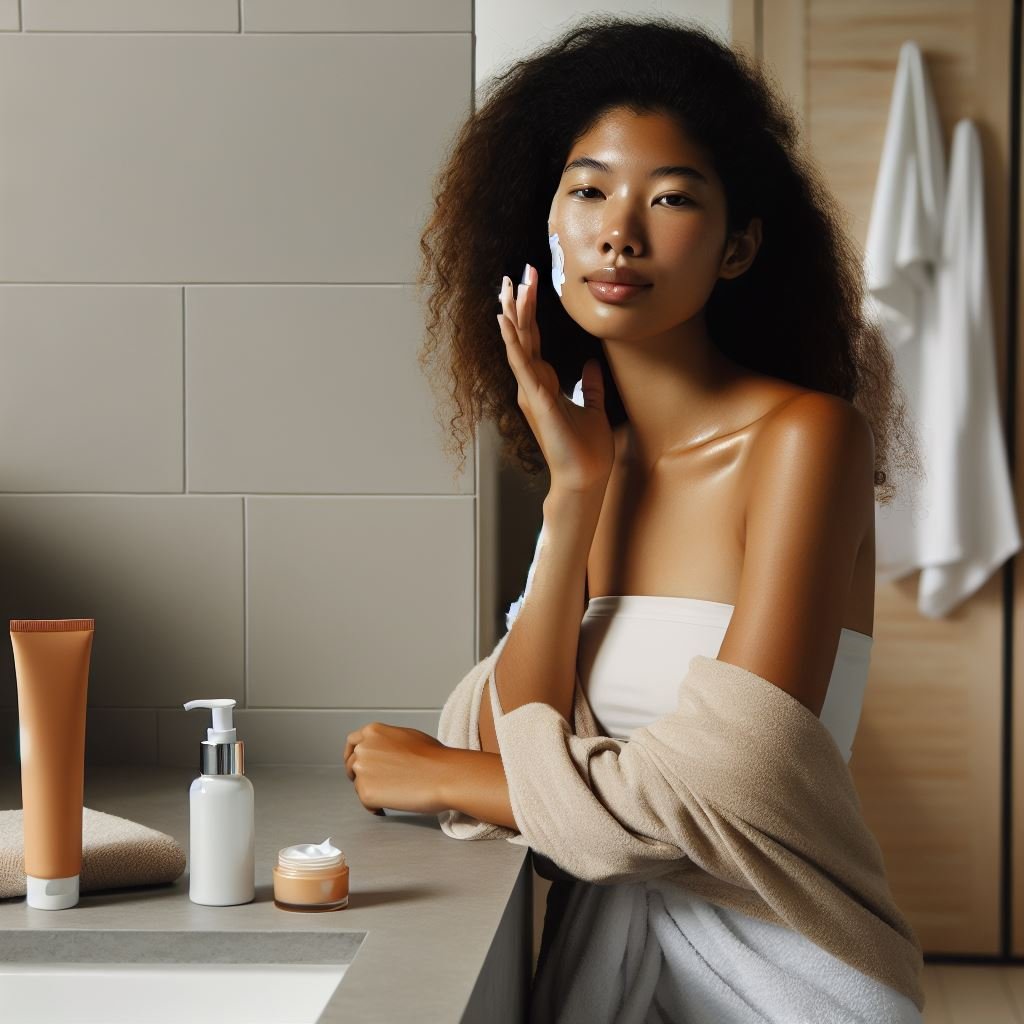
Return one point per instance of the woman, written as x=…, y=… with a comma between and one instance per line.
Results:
x=711, y=489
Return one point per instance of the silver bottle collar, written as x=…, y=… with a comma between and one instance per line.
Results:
x=222, y=758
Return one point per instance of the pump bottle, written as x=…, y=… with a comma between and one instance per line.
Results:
x=222, y=820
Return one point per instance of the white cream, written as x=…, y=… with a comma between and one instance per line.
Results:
x=557, y=263
x=306, y=853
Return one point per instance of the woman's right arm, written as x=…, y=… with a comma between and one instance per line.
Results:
x=538, y=661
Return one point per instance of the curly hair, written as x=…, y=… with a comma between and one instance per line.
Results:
x=795, y=314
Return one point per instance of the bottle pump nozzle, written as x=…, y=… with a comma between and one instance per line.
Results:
x=222, y=731
x=220, y=753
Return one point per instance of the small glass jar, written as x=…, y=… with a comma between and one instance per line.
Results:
x=308, y=877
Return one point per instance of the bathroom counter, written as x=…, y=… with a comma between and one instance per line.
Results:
x=442, y=927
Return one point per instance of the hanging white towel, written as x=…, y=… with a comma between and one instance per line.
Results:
x=972, y=528
x=928, y=287
x=905, y=230
x=904, y=245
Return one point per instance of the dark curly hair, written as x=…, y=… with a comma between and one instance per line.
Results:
x=796, y=312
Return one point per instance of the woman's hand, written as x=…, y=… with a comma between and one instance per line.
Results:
x=395, y=767
x=576, y=441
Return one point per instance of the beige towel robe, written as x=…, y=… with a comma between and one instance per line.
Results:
x=740, y=795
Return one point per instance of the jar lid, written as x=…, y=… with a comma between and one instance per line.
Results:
x=311, y=855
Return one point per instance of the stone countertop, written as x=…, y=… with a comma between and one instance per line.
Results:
x=426, y=909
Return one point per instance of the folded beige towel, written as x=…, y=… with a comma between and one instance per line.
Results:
x=116, y=853
x=740, y=795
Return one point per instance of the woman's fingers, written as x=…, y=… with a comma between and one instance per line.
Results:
x=508, y=302
x=350, y=749
x=526, y=307
x=518, y=325
x=531, y=312
x=521, y=312
x=516, y=357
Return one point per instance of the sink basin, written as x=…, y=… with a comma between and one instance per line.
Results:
x=117, y=977
x=159, y=993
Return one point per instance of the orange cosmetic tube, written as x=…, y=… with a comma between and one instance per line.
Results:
x=51, y=660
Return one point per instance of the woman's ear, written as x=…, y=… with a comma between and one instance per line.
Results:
x=741, y=250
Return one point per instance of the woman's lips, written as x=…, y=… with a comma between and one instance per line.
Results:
x=608, y=292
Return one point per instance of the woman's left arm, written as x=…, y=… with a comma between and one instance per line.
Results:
x=809, y=505
x=406, y=769
x=473, y=782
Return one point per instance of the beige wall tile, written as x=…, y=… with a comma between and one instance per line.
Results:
x=315, y=736
x=311, y=389
x=121, y=736
x=125, y=736
x=91, y=388
x=274, y=159
x=331, y=16
x=210, y=329
x=131, y=15
x=10, y=18
x=8, y=738
x=162, y=576
x=358, y=602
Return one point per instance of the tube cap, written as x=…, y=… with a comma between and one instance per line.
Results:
x=51, y=893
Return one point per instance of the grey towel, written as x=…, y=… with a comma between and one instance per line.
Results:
x=116, y=853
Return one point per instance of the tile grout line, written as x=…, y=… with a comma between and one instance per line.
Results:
x=245, y=602
x=257, y=32
x=208, y=284
x=184, y=400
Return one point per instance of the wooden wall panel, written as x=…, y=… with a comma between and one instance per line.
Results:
x=1016, y=867
x=926, y=761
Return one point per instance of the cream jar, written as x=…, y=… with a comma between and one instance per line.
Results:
x=311, y=876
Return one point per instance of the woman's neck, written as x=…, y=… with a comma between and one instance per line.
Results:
x=674, y=391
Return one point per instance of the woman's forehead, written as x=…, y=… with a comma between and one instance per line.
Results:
x=623, y=140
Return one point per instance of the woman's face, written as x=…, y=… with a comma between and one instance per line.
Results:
x=655, y=207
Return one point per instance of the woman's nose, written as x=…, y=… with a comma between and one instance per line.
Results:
x=621, y=231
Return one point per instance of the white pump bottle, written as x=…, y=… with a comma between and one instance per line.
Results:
x=222, y=820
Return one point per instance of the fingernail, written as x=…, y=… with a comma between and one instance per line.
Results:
x=526, y=274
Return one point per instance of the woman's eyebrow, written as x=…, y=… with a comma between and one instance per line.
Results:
x=669, y=170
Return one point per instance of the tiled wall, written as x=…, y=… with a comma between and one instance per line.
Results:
x=216, y=439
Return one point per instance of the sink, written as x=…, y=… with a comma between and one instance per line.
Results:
x=166, y=993
x=116, y=977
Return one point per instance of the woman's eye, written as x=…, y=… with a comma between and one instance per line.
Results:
x=683, y=200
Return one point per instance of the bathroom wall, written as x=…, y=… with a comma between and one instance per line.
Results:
x=214, y=435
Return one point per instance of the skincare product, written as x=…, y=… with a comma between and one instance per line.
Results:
x=222, y=820
x=51, y=662
x=311, y=877
x=557, y=262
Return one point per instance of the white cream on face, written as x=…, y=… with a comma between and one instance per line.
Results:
x=557, y=262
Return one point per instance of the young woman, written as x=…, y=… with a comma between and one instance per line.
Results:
x=712, y=486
